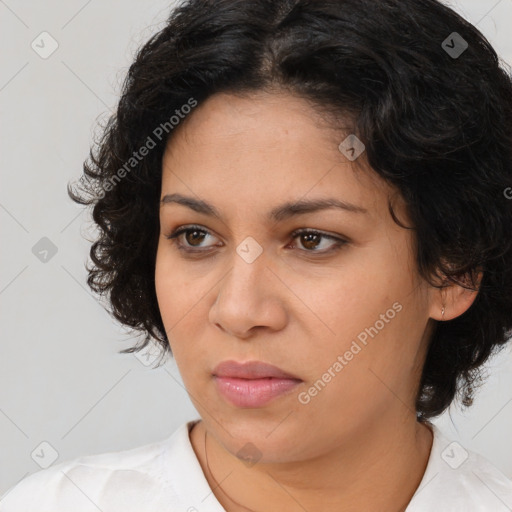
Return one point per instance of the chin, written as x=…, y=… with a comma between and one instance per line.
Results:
x=266, y=438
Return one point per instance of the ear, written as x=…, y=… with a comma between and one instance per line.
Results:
x=456, y=299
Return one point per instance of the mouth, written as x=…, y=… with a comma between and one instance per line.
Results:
x=252, y=384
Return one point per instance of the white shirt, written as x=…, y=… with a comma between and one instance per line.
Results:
x=166, y=476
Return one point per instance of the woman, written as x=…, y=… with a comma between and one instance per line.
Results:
x=305, y=202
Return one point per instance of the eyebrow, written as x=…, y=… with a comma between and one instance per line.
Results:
x=278, y=213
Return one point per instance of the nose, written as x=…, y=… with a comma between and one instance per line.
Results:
x=250, y=298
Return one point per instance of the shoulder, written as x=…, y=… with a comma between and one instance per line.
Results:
x=457, y=478
x=134, y=479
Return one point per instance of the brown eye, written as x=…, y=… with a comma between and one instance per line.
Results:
x=194, y=237
x=311, y=240
x=190, y=239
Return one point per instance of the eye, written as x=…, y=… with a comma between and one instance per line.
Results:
x=194, y=235
x=309, y=239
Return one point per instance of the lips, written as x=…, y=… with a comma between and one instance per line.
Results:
x=251, y=370
x=253, y=384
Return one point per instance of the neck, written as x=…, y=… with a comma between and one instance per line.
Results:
x=378, y=468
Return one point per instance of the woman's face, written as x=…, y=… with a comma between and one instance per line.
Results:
x=348, y=319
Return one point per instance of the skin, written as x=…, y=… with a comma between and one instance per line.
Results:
x=356, y=445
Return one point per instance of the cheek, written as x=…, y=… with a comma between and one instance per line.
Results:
x=165, y=286
x=180, y=297
x=174, y=282
x=380, y=354
x=366, y=314
x=347, y=299
x=173, y=291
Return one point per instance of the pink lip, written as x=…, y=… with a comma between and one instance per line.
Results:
x=252, y=384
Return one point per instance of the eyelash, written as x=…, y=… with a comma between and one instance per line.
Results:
x=340, y=242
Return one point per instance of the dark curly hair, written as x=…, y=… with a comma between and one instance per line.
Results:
x=435, y=117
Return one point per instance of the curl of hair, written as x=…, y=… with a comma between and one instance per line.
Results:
x=437, y=128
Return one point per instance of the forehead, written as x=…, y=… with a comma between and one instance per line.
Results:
x=264, y=149
x=267, y=121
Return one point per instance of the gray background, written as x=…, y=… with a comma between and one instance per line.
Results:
x=61, y=379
